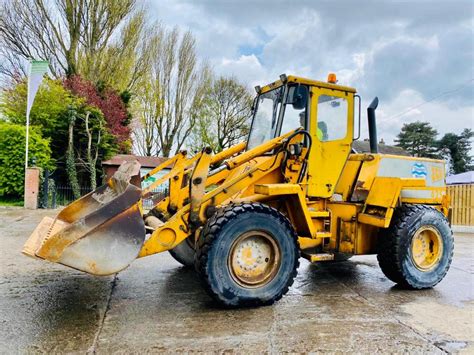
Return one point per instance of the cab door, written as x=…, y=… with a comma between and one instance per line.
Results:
x=331, y=126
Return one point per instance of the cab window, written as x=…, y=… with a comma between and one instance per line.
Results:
x=332, y=118
x=296, y=114
x=265, y=119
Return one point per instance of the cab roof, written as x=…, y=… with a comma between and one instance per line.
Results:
x=301, y=80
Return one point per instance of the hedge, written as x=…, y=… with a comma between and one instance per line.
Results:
x=12, y=157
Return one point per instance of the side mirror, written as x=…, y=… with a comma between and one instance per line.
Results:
x=298, y=97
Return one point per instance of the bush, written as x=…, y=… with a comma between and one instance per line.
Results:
x=53, y=108
x=12, y=157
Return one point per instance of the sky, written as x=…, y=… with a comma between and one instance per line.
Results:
x=416, y=56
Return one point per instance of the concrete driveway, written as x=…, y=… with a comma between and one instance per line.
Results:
x=158, y=306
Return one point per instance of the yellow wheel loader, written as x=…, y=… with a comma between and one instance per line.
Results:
x=244, y=216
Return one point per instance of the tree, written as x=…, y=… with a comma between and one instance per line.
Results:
x=457, y=150
x=147, y=108
x=12, y=157
x=92, y=154
x=51, y=115
x=419, y=139
x=110, y=103
x=70, y=156
x=224, y=115
x=85, y=152
x=100, y=126
x=175, y=90
x=101, y=40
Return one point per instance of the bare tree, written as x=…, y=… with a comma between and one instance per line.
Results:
x=224, y=115
x=146, y=108
x=168, y=102
x=92, y=38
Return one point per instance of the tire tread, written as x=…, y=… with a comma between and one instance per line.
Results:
x=389, y=247
x=210, y=233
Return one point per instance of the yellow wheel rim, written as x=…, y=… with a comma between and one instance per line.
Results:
x=254, y=259
x=426, y=248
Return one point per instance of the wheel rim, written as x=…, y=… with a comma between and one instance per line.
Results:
x=426, y=248
x=254, y=259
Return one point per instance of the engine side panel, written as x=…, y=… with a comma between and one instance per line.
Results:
x=430, y=170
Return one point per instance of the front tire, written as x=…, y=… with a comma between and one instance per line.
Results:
x=247, y=255
x=416, y=250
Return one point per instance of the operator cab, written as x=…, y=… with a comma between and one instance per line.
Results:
x=278, y=111
x=281, y=107
x=325, y=110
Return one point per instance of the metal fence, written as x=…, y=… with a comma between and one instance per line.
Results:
x=52, y=195
x=62, y=195
x=65, y=194
x=157, y=194
x=56, y=196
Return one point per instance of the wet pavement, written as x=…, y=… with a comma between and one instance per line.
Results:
x=158, y=306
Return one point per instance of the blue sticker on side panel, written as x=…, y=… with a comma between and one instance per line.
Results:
x=418, y=170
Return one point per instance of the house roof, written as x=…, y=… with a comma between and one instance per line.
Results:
x=145, y=162
x=463, y=178
x=364, y=147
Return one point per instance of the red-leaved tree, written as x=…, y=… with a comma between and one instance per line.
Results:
x=111, y=105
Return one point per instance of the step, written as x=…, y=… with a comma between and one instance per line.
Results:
x=319, y=214
x=317, y=256
x=323, y=235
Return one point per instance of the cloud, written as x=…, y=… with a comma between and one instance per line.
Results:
x=404, y=52
x=392, y=115
x=247, y=68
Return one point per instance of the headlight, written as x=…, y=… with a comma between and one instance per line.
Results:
x=295, y=149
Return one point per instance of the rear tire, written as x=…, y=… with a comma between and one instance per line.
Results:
x=247, y=255
x=416, y=250
x=184, y=253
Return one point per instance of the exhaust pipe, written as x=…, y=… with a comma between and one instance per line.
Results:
x=372, y=126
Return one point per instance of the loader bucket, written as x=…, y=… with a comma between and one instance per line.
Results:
x=101, y=233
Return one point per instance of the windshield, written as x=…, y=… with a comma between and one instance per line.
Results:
x=265, y=118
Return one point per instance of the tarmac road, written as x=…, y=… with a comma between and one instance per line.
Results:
x=158, y=306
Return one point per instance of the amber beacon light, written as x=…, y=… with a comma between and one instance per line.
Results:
x=332, y=78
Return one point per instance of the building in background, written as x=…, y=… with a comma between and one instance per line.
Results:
x=147, y=164
x=364, y=147
x=463, y=178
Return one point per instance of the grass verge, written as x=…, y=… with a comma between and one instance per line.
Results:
x=9, y=202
